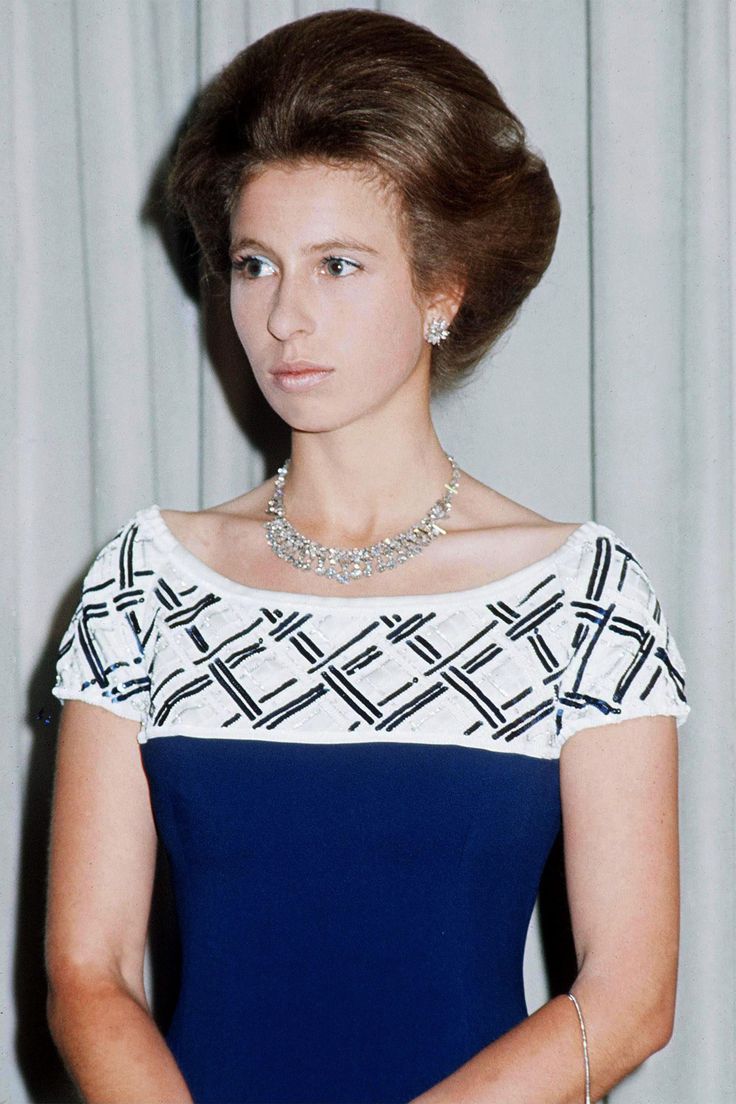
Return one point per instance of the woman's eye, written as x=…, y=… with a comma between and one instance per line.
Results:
x=246, y=265
x=341, y=261
x=252, y=266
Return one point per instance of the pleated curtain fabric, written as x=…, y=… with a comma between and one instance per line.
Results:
x=612, y=396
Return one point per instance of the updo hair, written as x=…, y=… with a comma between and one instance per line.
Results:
x=378, y=93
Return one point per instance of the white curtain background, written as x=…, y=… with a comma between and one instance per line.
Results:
x=611, y=398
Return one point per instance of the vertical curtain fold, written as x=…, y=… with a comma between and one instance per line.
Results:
x=703, y=1053
x=663, y=369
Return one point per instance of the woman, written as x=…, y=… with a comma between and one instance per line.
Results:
x=357, y=772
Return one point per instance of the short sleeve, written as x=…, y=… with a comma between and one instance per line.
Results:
x=624, y=661
x=100, y=658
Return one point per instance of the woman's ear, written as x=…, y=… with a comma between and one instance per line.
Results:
x=445, y=304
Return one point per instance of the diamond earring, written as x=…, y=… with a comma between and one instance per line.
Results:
x=437, y=331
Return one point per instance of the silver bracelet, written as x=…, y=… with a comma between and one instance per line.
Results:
x=585, y=1047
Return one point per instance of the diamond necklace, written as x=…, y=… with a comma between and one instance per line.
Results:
x=345, y=564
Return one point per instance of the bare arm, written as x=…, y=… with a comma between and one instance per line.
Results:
x=102, y=861
x=619, y=801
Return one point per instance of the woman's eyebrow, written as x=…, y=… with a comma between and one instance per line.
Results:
x=314, y=247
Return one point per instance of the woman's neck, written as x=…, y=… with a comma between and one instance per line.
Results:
x=346, y=495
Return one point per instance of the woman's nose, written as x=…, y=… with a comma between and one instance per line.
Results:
x=291, y=309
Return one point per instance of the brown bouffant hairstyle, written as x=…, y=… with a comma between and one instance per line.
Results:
x=368, y=90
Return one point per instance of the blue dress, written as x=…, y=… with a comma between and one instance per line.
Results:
x=357, y=795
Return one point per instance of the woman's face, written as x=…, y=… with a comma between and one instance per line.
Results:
x=320, y=275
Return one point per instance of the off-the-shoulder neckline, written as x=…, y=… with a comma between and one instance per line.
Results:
x=197, y=569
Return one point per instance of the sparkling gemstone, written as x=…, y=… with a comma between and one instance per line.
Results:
x=343, y=564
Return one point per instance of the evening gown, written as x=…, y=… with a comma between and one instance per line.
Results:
x=357, y=795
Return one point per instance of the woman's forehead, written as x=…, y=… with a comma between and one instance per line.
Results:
x=332, y=204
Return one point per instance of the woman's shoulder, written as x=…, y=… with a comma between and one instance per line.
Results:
x=126, y=565
x=492, y=529
x=225, y=522
x=136, y=535
x=153, y=527
x=594, y=562
x=599, y=565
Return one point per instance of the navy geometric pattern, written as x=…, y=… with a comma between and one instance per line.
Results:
x=575, y=640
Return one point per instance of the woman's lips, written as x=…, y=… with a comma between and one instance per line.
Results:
x=299, y=376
